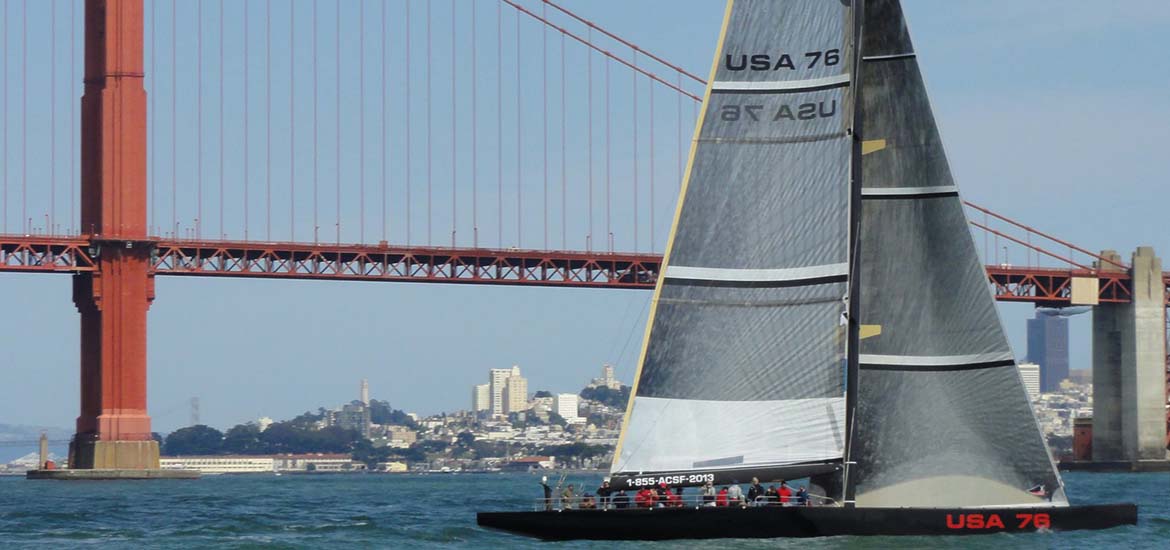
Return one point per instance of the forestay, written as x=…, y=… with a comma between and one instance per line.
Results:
x=744, y=362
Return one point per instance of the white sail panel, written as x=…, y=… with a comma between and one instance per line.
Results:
x=689, y=434
x=744, y=365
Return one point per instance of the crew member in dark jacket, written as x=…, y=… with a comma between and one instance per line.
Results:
x=756, y=490
x=603, y=493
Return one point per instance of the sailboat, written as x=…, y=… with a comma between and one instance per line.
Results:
x=823, y=312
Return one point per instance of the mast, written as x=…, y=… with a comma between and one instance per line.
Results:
x=853, y=342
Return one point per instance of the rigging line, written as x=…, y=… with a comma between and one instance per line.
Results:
x=198, y=117
x=633, y=330
x=268, y=120
x=409, y=136
x=635, y=157
x=589, y=98
x=500, y=125
x=544, y=116
x=624, y=319
x=474, y=132
x=292, y=123
x=361, y=122
x=246, y=134
x=337, y=104
x=316, y=130
x=454, y=136
x=430, y=130
x=175, y=125
x=624, y=42
x=52, y=115
x=222, y=235
x=385, y=105
x=520, y=190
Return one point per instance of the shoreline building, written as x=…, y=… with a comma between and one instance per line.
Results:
x=1048, y=348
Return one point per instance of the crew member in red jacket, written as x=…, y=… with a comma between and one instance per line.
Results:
x=721, y=498
x=785, y=493
x=644, y=498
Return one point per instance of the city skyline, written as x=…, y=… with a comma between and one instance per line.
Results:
x=1030, y=132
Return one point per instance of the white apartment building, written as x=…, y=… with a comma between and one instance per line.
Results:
x=1030, y=373
x=565, y=404
x=481, y=398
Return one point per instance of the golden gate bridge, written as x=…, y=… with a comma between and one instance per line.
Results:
x=510, y=142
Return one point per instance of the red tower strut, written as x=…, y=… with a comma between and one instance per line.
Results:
x=113, y=430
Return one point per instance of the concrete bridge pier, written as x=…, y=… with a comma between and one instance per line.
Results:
x=1129, y=367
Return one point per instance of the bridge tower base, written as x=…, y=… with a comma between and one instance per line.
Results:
x=1129, y=368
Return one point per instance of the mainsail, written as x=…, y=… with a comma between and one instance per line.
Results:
x=743, y=369
x=942, y=415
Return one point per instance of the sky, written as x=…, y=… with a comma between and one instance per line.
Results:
x=1053, y=112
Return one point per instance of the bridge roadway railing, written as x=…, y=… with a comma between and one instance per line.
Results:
x=386, y=262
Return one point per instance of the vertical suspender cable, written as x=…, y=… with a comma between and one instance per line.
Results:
x=361, y=122
x=608, y=162
x=52, y=116
x=73, y=130
x=679, y=151
x=316, y=151
x=268, y=120
x=652, y=204
x=589, y=63
x=222, y=235
x=520, y=188
x=409, y=137
x=337, y=145
x=544, y=117
x=564, y=155
x=175, y=126
x=635, y=158
x=385, y=97
x=199, y=118
x=4, y=109
x=24, y=119
x=500, y=125
x=454, y=158
x=474, y=132
x=246, y=64
x=430, y=130
x=51, y=229
x=292, y=124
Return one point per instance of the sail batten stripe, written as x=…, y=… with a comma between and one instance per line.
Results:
x=783, y=275
x=889, y=57
x=777, y=141
x=781, y=86
x=936, y=362
x=909, y=192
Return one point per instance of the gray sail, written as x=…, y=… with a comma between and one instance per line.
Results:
x=942, y=415
x=743, y=364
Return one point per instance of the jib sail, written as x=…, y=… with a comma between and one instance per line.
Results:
x=942, y=416
x=743, y=367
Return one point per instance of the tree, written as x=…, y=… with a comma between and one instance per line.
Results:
x=382, y=413
x=244, y=439
x=606, y=396
x=543, y=393
x=194, y=440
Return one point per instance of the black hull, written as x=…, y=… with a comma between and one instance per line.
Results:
x=772, y=522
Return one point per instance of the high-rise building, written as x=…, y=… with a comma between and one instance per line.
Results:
x=364, y=395
x=1048, y=347
x=565, y=404
x=1030, y=374
x=481, y=398
x=515, y=394
x=498, y=380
